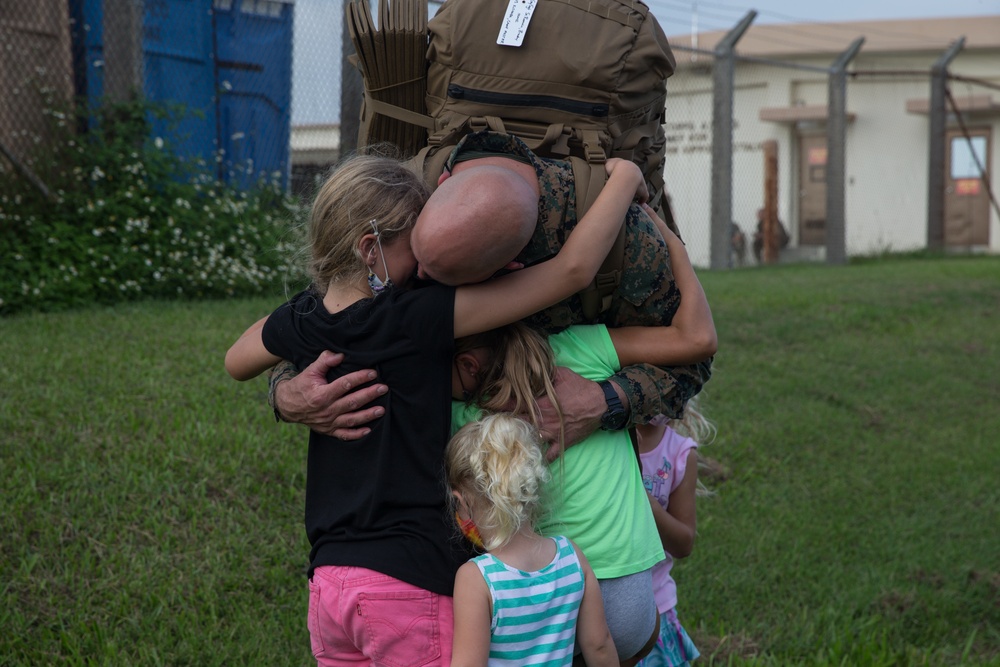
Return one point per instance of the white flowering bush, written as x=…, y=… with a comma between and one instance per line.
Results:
x=127, y=219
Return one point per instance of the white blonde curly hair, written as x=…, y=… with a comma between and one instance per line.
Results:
x=496, y=463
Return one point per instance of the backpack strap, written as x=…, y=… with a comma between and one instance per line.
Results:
x=589, y=176
x=399, y=113
x=428, y=163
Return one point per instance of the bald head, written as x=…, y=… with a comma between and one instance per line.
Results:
x=474, y=224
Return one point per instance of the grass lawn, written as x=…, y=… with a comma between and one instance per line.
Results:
x=151, y=509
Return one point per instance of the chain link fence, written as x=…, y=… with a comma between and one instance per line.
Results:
x=761, y=120
x=220, y=71
x=316, y=91
x=319, y=128
x=745, y=154
x=887, y=181
x=36, y=74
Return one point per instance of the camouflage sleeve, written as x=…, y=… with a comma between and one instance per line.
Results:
x=284, y=370
x=648, y=296
x=653, y=391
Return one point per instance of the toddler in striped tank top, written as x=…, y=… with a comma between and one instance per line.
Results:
x=529, y=599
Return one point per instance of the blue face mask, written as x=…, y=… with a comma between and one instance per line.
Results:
x=374, y=282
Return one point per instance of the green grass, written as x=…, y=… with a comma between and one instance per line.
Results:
x=151, y=509
x=859, y=418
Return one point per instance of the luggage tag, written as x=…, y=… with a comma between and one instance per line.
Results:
x=515, y=22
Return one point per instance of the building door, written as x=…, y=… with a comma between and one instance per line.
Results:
x=966, y=200
x=812, y=190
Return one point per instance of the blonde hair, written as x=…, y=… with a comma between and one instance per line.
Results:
x=497, y=464
x=364, y=188
x=519, y=370
x=695, y=425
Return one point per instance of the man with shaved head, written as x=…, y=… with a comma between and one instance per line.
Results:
x=475, y=223
x=499, y=206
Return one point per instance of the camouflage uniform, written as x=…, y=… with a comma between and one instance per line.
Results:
x=647, y=295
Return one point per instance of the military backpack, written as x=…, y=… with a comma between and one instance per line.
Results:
x=579, y=80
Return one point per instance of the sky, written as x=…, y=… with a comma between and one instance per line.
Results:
x=676, y=15
x=316, y=86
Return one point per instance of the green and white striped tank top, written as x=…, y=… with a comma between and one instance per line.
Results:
x=534, y=613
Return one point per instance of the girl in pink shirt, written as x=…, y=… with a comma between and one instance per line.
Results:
x=670, y=475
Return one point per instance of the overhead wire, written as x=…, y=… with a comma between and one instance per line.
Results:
x=907, y=38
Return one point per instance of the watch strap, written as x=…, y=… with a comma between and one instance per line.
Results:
x=614, y=416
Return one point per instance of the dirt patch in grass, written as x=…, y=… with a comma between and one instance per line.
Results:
x=722, y=649
x=894, y=604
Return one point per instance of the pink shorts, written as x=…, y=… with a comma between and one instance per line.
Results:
x=362, y=617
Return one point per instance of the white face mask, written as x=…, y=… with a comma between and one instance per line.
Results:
x=374, y=282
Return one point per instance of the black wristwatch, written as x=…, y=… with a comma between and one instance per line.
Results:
x=615, y=416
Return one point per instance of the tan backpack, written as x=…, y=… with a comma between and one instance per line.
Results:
x=587, y=82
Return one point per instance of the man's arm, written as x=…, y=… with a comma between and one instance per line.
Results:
x=653, y=391
x=582, y=404
x=638, y=387
x=334, y=408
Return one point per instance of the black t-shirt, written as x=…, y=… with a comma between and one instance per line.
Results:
x=380, y=502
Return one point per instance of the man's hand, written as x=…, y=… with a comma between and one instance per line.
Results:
x=582, y=403
x=334, y=408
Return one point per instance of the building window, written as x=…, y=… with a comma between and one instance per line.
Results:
x=966, y=157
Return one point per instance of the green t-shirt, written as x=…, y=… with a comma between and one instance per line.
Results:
x=596, y=497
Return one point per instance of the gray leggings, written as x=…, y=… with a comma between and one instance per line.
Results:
x=631, y=611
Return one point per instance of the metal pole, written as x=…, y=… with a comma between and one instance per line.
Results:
x=936, y=146
x=26, y=172
x=836, y=138
x=722, y=144
x=123, y=49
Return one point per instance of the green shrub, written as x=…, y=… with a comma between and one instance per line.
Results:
x=128, y=219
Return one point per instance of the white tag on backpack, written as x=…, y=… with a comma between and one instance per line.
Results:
x=515, y=22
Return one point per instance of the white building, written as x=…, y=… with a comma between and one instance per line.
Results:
x=887, y=139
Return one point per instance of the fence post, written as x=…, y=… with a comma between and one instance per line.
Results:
x=836, y=138
x=936, y=146
x=351, y=91
x=722, y=143
x=123, y=49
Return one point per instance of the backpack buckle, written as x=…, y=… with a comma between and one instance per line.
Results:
x=607, y=282
x=593, y=152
